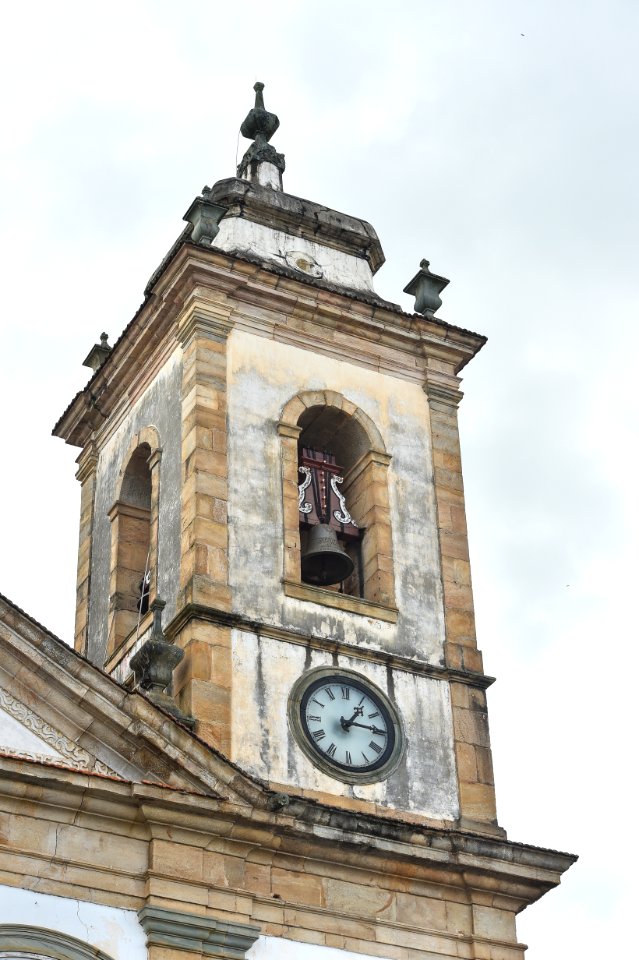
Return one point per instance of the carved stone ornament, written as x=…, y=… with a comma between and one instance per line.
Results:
x=426, y=287
x=259, y=126
x=154, y=663
x=205, y=217
x=70, y=754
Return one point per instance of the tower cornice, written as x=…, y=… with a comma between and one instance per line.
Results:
x=268, y=302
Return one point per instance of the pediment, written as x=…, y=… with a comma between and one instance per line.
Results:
x=57, y=708
x=23, y=733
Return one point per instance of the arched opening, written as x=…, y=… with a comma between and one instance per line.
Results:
x=335, y=470
x=329, y=446
x=131, y=547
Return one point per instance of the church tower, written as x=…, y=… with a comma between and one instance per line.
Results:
x=272, y=520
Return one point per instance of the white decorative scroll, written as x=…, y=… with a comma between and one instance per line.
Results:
x=73, y=755
x=344, y=516
x=304, y=507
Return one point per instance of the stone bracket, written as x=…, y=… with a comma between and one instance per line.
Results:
x=205, y=322
x=197, y=935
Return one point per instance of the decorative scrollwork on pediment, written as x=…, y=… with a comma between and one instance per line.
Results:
x=72, y=754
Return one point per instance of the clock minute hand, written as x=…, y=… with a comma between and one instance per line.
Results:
x=365, y=726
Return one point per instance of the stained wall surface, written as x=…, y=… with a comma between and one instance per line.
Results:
x=264, y=672
x=261, y=382
x=263, y=377
x=159, y=406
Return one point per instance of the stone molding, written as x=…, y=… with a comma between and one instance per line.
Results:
x=348, y=839
x=206, y=322
x=341, y=601
x=197, y=935
x=443, y=389
x=87, y=462
x=371, y=456
x=75, y=756
x=122, y=509
x=290, y=430
x=194, y=611
x=46, y=943
x=305, y=399
x=379, y=335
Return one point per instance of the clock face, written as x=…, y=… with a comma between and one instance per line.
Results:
x=345, y=725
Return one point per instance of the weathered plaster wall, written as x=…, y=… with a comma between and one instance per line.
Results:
x=237, y=235
x=265, y=670
x=262, y=378
x=117, y=932
x=159, y=406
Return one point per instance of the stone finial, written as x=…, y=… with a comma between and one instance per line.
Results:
x=98, y=353
x=261, y=162
x=259, y=124
x=426, y=287
x=154, y=663
x=205, y=217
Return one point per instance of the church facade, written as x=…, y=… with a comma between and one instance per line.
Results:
x=270, y=739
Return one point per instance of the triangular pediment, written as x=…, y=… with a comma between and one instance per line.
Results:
x=23, y=733
x=57, y=708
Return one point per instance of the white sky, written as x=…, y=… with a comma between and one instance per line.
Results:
x=497, y=139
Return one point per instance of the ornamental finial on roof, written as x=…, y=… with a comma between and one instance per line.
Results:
x=261, y=162
x=259, y=124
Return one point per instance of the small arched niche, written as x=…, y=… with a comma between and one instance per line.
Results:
x=330, y=433
x=133, y=540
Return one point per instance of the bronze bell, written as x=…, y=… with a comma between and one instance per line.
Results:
x=325, y=561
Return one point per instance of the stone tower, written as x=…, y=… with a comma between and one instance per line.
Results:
x=271, y=474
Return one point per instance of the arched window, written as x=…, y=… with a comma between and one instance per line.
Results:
x=335, y=472
x=134, y=539
x=19, y=942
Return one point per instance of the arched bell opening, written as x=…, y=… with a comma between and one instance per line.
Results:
x=131, y=543
x=325, y=422
x=329, y=445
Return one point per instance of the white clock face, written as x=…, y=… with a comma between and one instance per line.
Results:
x=346, y=726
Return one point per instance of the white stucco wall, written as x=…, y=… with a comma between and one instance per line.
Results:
x=264, y=672
x=117, y=932
x=237, y=235
x=275, y=948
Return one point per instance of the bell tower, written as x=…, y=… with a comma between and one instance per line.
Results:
x=272, y=487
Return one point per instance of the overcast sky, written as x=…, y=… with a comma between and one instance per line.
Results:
x=497, y=139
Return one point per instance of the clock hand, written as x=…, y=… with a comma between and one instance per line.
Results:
x=349, y=723
x=365, y=726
